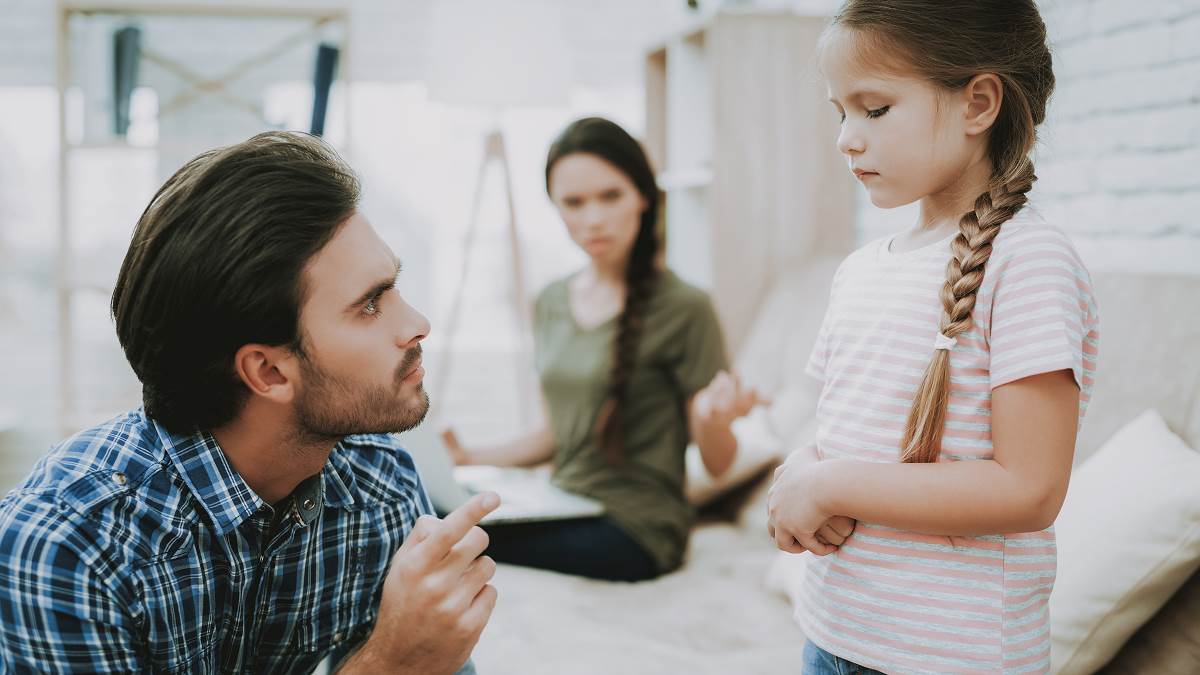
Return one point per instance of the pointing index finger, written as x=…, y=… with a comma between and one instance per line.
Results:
x=456, y=525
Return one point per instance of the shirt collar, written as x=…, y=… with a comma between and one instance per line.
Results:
x=338, y=479
x=222, y=493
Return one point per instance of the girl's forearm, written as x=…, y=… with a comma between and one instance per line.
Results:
x=963, y=498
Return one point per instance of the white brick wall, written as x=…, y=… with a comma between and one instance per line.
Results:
x=1119, y=156
x=1120, y=151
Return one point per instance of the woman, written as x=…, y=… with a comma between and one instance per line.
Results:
x=632, y=366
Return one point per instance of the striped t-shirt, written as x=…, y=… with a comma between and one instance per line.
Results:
x=904, y=602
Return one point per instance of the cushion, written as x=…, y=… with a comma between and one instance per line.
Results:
x=1128, y=537
x=1147, y=357
x=1169, y=644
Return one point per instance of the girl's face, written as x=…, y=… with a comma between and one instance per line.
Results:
x=903, y=137
x=600, y=205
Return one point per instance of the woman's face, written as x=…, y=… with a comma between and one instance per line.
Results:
x=600, y=205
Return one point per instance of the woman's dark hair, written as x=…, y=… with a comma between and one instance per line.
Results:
x=948, y=44
x=608, y=141
x=217, y=261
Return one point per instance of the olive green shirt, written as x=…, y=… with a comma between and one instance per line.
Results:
x=679, y=352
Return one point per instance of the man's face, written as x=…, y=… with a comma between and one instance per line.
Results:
x=361, y=368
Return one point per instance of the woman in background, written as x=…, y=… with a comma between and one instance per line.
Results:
x=631, y=364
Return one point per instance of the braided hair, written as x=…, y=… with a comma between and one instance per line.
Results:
x=949, y=43
x=607, y=140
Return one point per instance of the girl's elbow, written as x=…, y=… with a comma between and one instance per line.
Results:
x=1045, y=510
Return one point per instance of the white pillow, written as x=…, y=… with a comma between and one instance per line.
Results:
x=1128, y=537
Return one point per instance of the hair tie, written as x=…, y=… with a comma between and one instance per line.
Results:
x=943, y=342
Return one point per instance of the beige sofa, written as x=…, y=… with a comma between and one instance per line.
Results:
x=717, y=614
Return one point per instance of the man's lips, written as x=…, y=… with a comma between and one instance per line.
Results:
x=416, y=371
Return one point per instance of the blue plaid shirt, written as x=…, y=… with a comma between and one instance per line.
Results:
x=130, y=549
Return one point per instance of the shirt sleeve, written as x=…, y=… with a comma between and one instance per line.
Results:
x=704, y=348
x=57, y=614
x=1043, y=312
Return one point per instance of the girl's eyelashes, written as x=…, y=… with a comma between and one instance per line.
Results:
x=871, y=114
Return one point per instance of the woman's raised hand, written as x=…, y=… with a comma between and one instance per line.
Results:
x=458, y=454
x=725, y=399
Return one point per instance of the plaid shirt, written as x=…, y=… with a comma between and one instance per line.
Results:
x=130, y=549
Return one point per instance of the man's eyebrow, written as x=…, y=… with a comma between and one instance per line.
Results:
x=379, y=288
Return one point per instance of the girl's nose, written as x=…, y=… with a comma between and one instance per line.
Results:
x=849, y=142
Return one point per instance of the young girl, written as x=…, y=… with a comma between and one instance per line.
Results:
x=956, y=358
x=631, y=363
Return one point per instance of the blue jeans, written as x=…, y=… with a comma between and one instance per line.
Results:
x=817, y=661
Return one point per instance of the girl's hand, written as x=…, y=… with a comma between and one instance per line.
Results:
x=725, y=399
x=795, y=520
x=458, y=454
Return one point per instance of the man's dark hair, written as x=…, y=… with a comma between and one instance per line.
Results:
x=217, y=261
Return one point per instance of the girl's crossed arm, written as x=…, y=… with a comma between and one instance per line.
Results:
x=1034, y=423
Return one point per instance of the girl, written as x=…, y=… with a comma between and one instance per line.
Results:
x=624, y=350
x=956, y=358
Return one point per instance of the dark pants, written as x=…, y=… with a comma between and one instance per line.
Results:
x=586, y=547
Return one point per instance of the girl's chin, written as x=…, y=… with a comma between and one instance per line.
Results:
x=886, y=200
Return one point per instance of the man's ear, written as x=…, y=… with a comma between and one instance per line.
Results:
x=984, y=94
x=270, y=372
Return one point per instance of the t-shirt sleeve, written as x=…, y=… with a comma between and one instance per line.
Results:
x=1043, y=312
x=704, y=348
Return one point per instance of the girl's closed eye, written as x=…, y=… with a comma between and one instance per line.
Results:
x=870, y=113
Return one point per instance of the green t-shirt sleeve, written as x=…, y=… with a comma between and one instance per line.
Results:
x=703, y=347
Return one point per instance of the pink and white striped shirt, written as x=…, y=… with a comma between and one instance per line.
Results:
x=902, y=602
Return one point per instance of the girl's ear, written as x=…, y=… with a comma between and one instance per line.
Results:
x=984, y=94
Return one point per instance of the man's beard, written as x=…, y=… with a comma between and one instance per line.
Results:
x=332, y=407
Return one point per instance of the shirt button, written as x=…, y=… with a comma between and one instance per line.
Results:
x=309, y=505
x=337, y=638
x=119, y=478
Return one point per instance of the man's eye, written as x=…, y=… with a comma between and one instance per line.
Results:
x=372, y=307
x=878, y=112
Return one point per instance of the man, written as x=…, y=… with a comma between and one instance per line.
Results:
x=253, y=516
